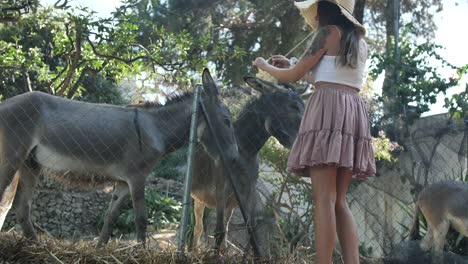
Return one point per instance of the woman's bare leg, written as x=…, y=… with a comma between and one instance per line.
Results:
x=324, y=192
x=345, y=224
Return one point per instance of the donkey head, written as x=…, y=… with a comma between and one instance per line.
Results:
x=281, y=109
x=221, y=121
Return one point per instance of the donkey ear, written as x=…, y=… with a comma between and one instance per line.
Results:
x=208, y=83
x=260, y=85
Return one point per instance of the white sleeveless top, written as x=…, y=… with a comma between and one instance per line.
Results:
x=328, y=70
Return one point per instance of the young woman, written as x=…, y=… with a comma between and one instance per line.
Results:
x=334, y=143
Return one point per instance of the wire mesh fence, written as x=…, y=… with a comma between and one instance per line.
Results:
x=91, y=144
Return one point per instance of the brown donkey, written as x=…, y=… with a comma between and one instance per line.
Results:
x=276, y=112
x=443, y=204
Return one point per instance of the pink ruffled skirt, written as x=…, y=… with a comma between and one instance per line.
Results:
x=334, y=132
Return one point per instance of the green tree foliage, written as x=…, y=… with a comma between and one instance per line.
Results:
x=458, y=104
x=234, y=32
x=168, y=167
x=55, y=50
x=419, y=80
x=378, y=17
x=251, y=28
x=12, y=10
x=101, y=90
x=47, y=51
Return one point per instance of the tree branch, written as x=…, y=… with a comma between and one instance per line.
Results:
x=130, y=61
x=77, y=84
x=25, y=5
x=61, y=6
x=107, y=56
x=76, y=58
x=5, y=20
x=66, y=61
x=16, y=10
x=27, y=81
x=83, y=74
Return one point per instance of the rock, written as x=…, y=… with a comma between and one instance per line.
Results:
x=411, y=252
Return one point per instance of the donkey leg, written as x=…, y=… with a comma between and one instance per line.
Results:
x=439, y=232
x=463, y=227
x=137, y=190
x=460, y=224
x=228, y=212
x=254, y=210
x=220, y=194
x=23, y=200
x=8, y=184
x=219, y=229
x=6, y=200
x=426, y=242
x=13, y=156
x=118, y=198
x=199, y=208
x=11, y=161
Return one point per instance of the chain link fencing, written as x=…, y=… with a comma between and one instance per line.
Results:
x=434, y=149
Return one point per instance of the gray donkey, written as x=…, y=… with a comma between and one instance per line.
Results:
x=443, y=204
x=277, y=112
x=91, y=144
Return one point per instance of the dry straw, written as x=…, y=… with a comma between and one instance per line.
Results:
x=16, y=249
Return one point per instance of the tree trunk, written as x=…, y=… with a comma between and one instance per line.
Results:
x=391, y=109
x=359, y=8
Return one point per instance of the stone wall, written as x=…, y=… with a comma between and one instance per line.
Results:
x=76, y=213
x=64, y=213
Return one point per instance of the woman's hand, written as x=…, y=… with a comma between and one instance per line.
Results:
x=260, y=63
x=280, y=61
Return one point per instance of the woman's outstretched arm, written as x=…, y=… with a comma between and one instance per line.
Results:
x=317, y=49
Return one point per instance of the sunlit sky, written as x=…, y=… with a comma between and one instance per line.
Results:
x=451, y=34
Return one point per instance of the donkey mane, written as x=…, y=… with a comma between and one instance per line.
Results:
x=170, y=100
x=252, y=103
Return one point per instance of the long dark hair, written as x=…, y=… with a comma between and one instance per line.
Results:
x=330, y=14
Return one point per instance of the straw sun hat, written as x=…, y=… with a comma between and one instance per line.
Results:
x=308, y=10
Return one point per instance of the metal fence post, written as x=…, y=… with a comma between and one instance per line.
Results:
x=189, y=170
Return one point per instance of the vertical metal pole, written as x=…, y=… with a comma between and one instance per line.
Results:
x=465, y=151
x=396, y=15
x=396, y=59
x=189, y=171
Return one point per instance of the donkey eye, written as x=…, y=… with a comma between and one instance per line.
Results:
x=227, y=122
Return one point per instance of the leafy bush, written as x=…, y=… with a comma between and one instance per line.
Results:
x=162, y=212
x=384, y=147
x=168, y=166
